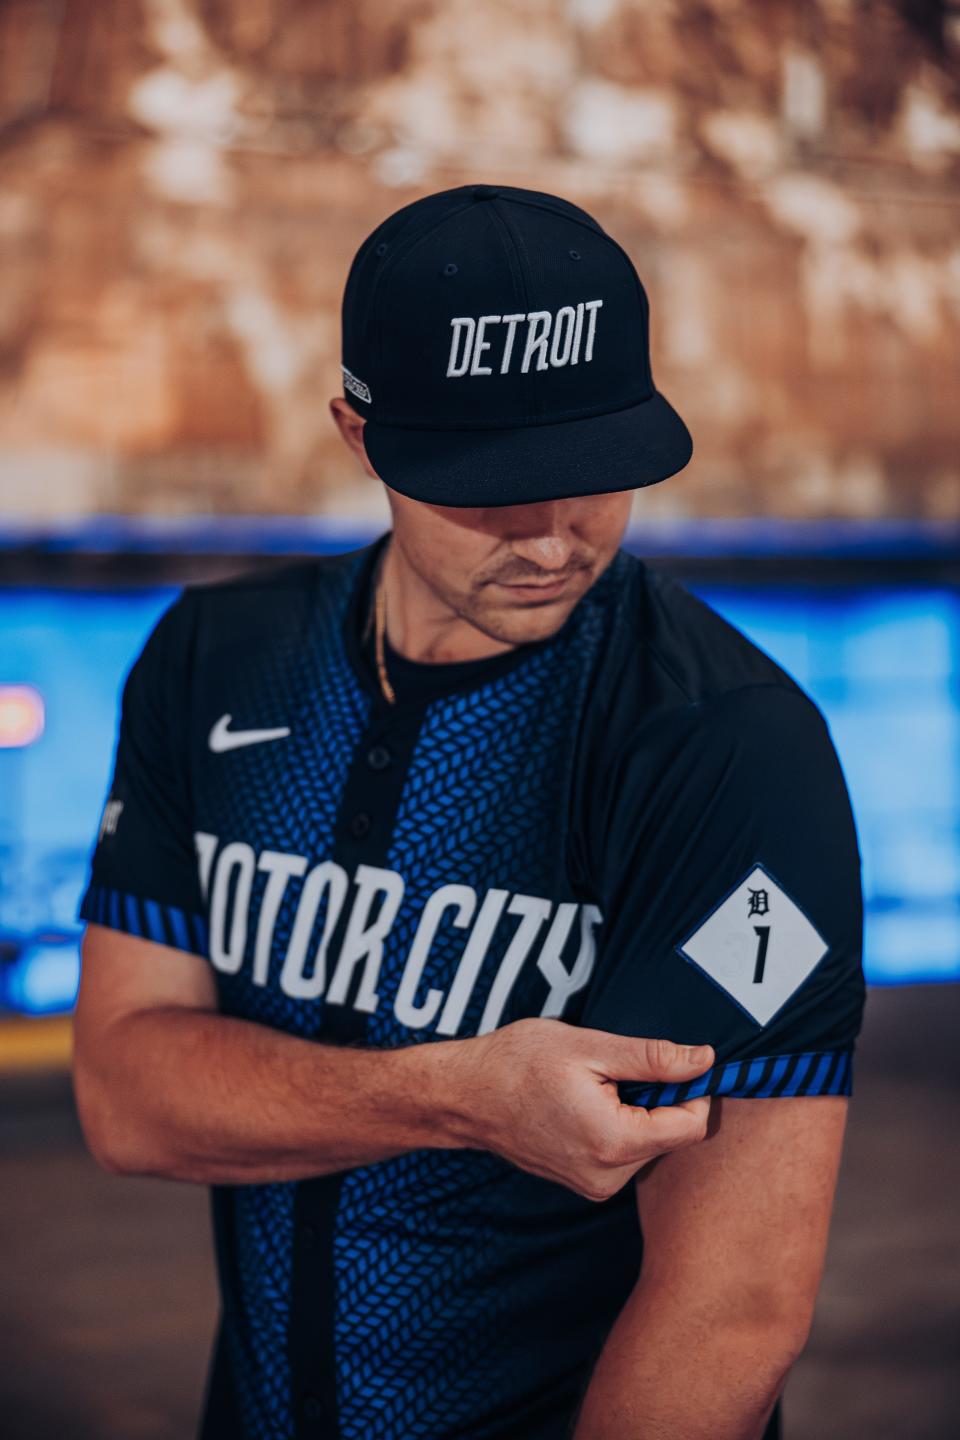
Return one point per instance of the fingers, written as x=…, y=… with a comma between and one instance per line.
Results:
x=626, y=1057
x=665, y=1060
x=648, y=1133
x=665, y=1127
x=688, y=1118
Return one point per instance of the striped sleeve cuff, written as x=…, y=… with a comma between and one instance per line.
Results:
x=148, y=919
x=815, y=1072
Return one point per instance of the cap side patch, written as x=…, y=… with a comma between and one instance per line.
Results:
x=355, y=386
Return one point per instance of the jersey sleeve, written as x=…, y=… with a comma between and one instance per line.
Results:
x=143, y=877
x=732, y=900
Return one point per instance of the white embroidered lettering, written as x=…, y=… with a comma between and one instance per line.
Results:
x=563, y=330
x=463, y=324
x=552, y=340
x=479, y=345
x=512, y=321
x=538, y=329
x=593, y=306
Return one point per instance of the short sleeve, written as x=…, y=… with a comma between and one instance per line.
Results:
x=143, y=876
x=731, y=882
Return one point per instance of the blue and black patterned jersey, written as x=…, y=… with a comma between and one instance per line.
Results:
x=639, y=824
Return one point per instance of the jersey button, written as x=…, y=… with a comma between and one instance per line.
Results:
x=379, y=757
x=314, y=1408
x=360, y=824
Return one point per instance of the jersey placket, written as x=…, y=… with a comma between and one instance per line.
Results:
x=368, y=808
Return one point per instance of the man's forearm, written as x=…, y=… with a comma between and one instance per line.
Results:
x=671, y=1370
x=194, y=1095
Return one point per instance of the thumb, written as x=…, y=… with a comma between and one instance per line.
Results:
x=625, y=1057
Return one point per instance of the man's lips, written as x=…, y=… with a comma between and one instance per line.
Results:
x=552, y=587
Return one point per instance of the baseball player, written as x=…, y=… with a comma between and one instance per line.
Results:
x=477, y=913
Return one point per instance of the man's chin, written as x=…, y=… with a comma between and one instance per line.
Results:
x=523, y=622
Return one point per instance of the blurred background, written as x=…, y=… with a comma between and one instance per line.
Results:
x=183, y=184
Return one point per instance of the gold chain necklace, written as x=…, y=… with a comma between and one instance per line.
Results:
x=380, y=616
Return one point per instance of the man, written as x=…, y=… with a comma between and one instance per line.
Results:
x=422, y=866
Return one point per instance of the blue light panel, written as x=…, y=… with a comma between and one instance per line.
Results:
x=881, y=663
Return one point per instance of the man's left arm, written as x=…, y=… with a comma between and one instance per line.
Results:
x=731, y=891
x=735, y=1233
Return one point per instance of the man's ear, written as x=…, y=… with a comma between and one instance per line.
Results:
x=351, y=426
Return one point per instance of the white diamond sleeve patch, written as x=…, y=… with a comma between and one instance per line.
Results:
x=757, y=945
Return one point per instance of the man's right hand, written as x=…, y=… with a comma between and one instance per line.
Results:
x=543, y=1095
x=167, y=1085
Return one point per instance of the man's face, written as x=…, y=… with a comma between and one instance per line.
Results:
x=515, y=572
x=483, y=564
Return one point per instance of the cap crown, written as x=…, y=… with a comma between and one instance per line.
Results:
x=492, y=306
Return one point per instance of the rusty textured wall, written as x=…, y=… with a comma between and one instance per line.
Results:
x=184, y=182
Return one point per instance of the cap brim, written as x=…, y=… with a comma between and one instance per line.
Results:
x=621, y=450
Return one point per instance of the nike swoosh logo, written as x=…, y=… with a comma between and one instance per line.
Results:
x=223, y=738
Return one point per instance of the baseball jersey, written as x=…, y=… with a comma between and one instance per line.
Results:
x=638, y=824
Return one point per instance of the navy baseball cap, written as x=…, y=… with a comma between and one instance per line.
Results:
x=496, y=341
